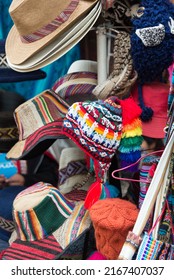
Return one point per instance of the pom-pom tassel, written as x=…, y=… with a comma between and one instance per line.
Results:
x=99, y=190
x=130, y=110
x=147, y=112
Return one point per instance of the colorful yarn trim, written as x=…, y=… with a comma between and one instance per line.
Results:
x=131, y=140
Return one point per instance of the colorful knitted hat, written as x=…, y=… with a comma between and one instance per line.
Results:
x=46, y=224
x=39, y=121
x=76, y=86
x=95, y=127
x=112, y=219
x=152, y=39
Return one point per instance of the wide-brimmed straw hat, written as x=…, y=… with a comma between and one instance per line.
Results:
x=61, y=45
x=39, y=121
x=33, y=30
x=8, y=75
x=46, y=224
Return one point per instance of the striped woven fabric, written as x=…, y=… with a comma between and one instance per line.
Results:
x=39, y=121
x=31, y=224
x=45, y=249
x=146, y=166
x=76, y=86
x=41, y=110
x=39, y=210
x=53, y=25
x=75, y=225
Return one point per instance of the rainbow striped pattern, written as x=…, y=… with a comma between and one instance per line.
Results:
x=153, y=249
x=95, y=127
x=31, y=224
x=130, y=144
x=52, y=26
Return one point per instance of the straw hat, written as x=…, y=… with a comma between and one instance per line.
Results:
x=33, y=30
x=61, y=45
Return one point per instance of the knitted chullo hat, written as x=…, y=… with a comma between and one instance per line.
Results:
x=123, y=75
x=152, y=39
x=95, y=127
x=131, y=140
x=112, y=219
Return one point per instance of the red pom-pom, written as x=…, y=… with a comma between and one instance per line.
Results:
x=130, y=110
x=93, y=194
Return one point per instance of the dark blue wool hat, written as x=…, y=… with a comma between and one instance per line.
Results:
x=152, y=39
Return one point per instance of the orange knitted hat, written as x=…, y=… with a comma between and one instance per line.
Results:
x=112, y=219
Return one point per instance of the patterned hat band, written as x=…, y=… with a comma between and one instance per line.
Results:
x=6, y=225
x=52, y=26
x=3, y=61
x=10, y=133
x=31, y=224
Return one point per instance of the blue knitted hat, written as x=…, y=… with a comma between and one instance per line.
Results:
x=152, y=39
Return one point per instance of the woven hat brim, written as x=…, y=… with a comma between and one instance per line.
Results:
x=18, y=52
x=36, y=62
x=38, y=142
x=50, y=247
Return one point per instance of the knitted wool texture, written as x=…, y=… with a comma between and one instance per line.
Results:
x=151, y=61
x=95, y=127
x=112, y=219
x=131, y=140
